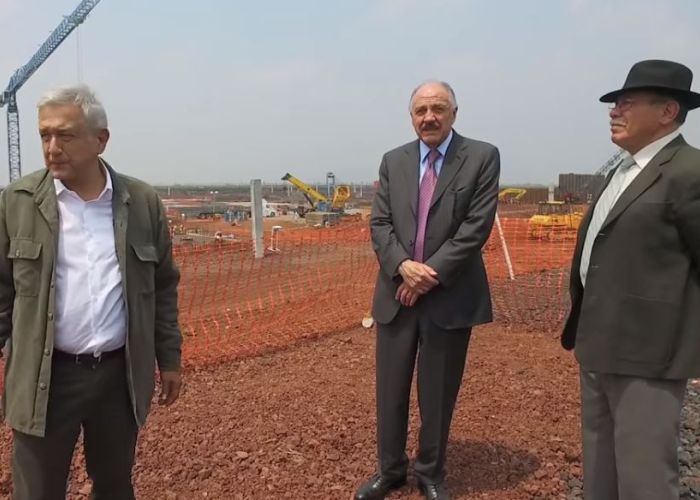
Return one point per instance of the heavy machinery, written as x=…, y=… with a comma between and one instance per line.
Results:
x=9, y=95
x=555, y=220
x=317, y=200
x=510, y=195
x=325, y=210
x=558, y=220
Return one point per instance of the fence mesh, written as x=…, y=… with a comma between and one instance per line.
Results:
x=311, y=282
x=315, y=281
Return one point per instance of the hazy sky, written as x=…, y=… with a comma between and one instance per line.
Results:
x=228, y=90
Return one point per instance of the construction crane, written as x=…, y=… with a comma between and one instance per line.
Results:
x=9, y=95
x=613, y=162
x=318, y=201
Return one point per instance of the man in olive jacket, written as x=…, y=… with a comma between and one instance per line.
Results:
x=88, y=298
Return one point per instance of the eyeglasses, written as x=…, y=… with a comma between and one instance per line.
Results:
x=625, y=103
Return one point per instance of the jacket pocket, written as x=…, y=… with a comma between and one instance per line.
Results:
x=26, y=266
x=145, y=268
x=647, y=329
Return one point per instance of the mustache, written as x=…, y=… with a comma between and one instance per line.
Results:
x=430, y=126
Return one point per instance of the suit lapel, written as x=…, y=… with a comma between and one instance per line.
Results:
x=454, y=159
x=412, y=174
x=646, y=178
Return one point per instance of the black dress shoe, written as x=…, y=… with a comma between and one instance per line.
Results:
x=378, y=487
x=434, y=491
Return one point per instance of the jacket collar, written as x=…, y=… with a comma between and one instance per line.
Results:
x=646, y=178
x=44, y=192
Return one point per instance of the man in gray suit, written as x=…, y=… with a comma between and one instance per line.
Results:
x=432, y=213
x=635, y=292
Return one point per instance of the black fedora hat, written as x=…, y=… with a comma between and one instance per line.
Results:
x=666, y=76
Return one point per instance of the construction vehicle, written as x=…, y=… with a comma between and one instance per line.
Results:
x=554, y=221
x=325, y=210
x=510, y=195
x=319, y=202
x=558, y=220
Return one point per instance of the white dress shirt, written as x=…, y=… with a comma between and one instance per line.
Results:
x=90, y=313
x=641, y=159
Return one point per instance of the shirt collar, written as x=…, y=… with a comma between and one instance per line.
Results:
x=106, y=193
x=425, y=149
x=645, y=155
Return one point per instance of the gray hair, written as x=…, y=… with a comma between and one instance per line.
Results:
x=79, y=95
x=445, y=85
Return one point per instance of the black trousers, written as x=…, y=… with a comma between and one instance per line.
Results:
x=93, y=397
x=441, y=356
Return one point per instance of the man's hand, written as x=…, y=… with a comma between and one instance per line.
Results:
x=406, y=295
x=419, y=277
x=170, y=382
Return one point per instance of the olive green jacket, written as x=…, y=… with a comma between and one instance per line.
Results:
x=29, y=228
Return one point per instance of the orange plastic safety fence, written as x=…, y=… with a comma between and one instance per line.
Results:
x=310, y=282
x=314, y=281
x=529, y=275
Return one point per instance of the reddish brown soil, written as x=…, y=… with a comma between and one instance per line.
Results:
x=299, y=423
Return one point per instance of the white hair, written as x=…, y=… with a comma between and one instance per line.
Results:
x=79, y=95
x=445, y=85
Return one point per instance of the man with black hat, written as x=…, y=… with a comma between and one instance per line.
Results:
x=635, y=291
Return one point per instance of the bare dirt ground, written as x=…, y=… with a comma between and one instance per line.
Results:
x=299, y=423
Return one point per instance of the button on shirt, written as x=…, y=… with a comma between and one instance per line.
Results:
x=90, y=314
x=641, y=159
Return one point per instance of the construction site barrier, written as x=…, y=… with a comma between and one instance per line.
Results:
x=315, y=281
x=310, y=282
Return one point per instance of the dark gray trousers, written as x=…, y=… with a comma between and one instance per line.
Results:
x=441, y=358
x=97, y=400
x=630, y=430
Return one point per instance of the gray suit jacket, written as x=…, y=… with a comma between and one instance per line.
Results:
x=459, y=223
x=640, y=312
